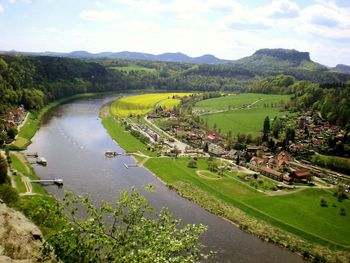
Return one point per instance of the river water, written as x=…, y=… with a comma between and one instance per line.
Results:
x=73, y=141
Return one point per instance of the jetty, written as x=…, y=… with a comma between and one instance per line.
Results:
x=114, y=154
x=48, y=181
x=127, y=166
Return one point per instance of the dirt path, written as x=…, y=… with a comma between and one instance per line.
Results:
x=143, y=161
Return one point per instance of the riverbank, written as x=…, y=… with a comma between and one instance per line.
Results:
x=33, y=121
x=245, y=216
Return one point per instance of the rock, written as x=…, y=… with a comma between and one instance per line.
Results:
x=20, y=238
x=4, y=259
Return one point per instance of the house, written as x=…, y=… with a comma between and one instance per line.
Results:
x=212, y=136
x=301, y=174
x=180, y=131
x=216, y=149
x=192, y=135
x=252, y=148
x=271, y=173
x=257, y=161
x=296, y=147
x=232, y=154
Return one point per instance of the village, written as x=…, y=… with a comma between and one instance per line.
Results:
x=173, y=134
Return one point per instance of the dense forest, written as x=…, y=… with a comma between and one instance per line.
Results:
x=36, y=80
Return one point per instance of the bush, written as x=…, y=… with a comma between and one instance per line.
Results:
x=8, y=194
x=12, y=132
x=192, y=163
x=342, y=211
x=3, y=169
x=323, y=202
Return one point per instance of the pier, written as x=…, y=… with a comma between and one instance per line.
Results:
x=127, y=166
x=53, y=181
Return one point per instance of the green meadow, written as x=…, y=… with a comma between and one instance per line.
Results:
x=133, y=67
x=239, y=118
x=299, y=213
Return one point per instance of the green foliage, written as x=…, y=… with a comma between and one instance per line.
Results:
x=8, y=194
x=3, y=169
x=323, y=202
x=335, y=163
x=44, y=211
x=266, y=129
x=135, y=233
x=12, y=132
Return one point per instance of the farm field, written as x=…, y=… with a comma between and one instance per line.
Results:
x=133, y=67
x=299, y=213
x=142, y=104
x=239, y=118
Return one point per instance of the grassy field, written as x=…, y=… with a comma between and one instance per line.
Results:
x=22, y=166
x=133, y=67
x=142, y=104
x=299, y=213
x=237, y=117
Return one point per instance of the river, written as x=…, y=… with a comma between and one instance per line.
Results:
x=73, y=141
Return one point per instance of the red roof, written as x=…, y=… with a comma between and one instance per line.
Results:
x=270, y=171
x=302, y=172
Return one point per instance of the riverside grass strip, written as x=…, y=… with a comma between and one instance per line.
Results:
x=299, y=213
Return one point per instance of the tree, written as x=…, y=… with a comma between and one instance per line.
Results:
x=266, y=129
x=323, y=202
x=192, y=163
x=136, y=233
x=12, y=132
x=290, y=135
x=276, y=127
x=3, y=169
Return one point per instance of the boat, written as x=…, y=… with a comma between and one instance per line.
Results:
x=41, y=161
x=110, y=154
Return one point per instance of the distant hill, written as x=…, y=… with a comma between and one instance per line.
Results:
x=278, y=60
x=166, y=57
x=341, y=68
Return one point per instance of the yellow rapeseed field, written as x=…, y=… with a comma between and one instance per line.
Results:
x=142, y=104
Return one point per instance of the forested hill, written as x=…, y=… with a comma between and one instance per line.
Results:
x=34, y=81
x=271, y=61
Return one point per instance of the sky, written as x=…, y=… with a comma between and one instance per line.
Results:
x=228, y=29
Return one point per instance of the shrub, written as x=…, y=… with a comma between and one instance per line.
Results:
x=323, y=202
x=342, y=211
x=8, y=194
x=192, y=163
x=3, y=169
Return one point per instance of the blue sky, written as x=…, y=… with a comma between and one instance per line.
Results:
x=229, y=29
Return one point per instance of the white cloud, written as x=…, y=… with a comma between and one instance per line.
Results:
x=1, y=8
x=326, y=20
x=12, y=1
x=98, y=15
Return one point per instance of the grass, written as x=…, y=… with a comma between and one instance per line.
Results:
x=237, y=118
x=133, y=67
x=303, y=210
x=20, y=187
x=22, y=166
x=298, y=213
x=242, y=120
x=125, y=140
x=142, y=104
